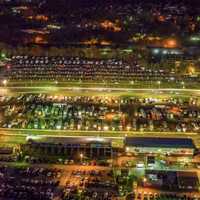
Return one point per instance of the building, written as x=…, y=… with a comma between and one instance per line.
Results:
x=166, y=146
x=172, y=180
x=90, y=147
x=188, y=180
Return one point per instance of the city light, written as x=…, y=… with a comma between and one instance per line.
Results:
x=156, y=51
x=99, y=100
x=144, y=179
x=170, y=43
x=164, y=52
x=127, y=149
x=183, y=84
x=4, y=82
x=105, y=128
x=3, y=55
x=195, y=38
x=191, y=69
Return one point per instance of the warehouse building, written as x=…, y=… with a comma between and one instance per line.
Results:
x=166, y=146
x=91, y=147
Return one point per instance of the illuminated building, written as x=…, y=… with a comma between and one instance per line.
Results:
x=166, y=146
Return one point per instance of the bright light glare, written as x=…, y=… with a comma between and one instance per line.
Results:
x=156, y=51
x=5, y=82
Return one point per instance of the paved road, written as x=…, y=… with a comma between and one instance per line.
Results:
x=104, y=88
x=102, y=91
x=124, y=84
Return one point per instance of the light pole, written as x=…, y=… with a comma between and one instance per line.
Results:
x=81, y=156
x=119, y=104
x=183, y=84
x=159, y=82
x=3, y=55
x=4, y=82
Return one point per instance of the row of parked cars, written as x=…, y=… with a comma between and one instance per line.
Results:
x=102, y=100
x=73, y=69
x=29, y=183
x=161, y=196
x=88, y=113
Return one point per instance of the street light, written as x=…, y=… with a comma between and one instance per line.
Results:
x=183, y=84
x=3, y=55
x=4, y=82
x=105, y=128
x=144, y=180
x=128, y=128
x=127, y=149
x=81, y=156
x=159, y=82
x=156, y=51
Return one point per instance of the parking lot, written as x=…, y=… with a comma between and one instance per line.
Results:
x=57, y=182
x=62, y=68
x=152, y=194
x=46, y=112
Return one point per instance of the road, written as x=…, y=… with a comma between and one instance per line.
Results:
x=105, y=83
x=102, y=91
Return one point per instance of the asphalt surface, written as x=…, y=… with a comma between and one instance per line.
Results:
x=102, y=91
